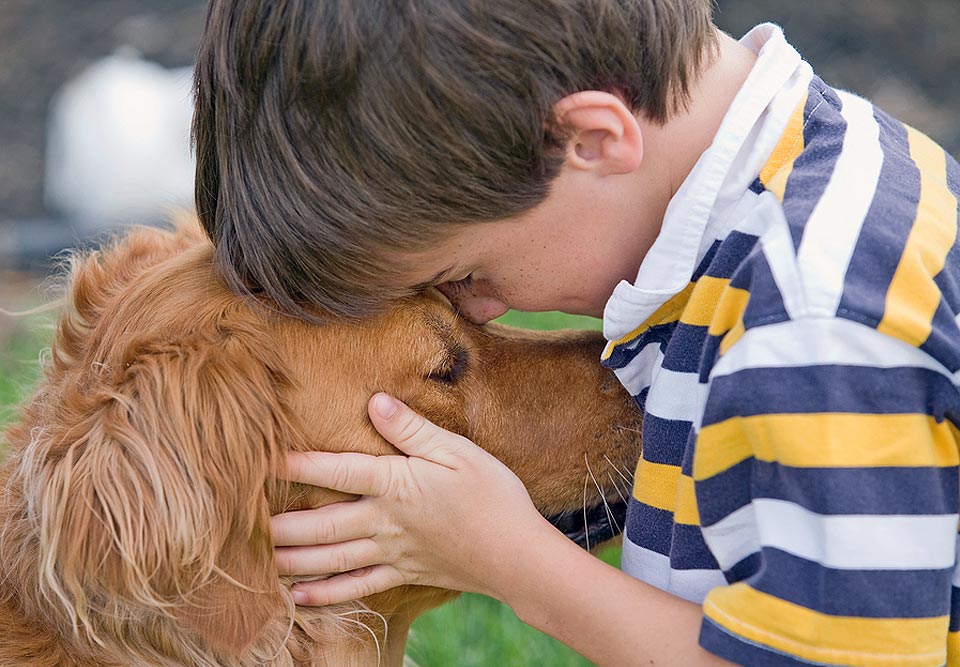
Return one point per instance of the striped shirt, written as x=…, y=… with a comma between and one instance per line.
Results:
x=792, y=339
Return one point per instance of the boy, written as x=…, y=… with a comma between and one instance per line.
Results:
x=783, y=264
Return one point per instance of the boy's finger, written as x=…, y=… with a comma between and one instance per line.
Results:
x=348, y=586
x=327, y=558
x=410, y=432
x=348, y=472
x=339, y=522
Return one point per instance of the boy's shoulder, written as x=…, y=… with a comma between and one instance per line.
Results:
x=859, y=222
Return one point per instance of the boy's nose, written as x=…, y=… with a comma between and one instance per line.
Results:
x=480, y=310
x=477, y=309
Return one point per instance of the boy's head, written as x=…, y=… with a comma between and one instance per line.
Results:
x=337, y=140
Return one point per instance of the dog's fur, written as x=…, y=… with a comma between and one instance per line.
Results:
x=135, y=502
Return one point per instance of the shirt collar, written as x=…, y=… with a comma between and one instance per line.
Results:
x=730, y=164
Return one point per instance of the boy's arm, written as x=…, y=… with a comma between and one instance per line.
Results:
x=451, y=515
x=606, y=615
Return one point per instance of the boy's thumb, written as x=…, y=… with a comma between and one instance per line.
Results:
x=410, y=432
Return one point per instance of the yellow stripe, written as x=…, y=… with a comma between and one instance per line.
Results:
x=775, y=173
x=913, y=297
x=953, y=649
x=703, y=302
x=732, y=336
x=664, y=487
x=827, y=440
x=686, y=512
x=818, y=637
x=730, y=309
x=668, y=312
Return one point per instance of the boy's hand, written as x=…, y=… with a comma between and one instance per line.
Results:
x=449, y=515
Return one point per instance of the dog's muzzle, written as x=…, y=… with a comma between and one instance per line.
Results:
x=592, y=526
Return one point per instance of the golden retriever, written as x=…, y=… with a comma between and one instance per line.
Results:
x=141, y=476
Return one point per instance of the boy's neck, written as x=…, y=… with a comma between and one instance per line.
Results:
x=673, y=149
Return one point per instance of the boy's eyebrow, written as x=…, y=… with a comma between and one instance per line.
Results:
x=437, y=279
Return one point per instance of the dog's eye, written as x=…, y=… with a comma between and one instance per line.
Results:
x=453, y=368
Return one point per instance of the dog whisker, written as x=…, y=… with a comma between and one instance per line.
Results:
x=586, y=523
x=626, y=479
x=603, y=498
x=616, y=486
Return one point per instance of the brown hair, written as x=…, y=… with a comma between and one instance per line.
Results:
x=333, y=135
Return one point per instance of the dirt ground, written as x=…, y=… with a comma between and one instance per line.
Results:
x=905, y=55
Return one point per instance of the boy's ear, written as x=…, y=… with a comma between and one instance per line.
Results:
x=602, y=133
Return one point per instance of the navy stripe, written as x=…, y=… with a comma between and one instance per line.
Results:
x=954, y=609
x=765, y=305
x=641, y=399
x=885, y=228
x=845, y=491
x=745, y=568
x=649, y=527
x=653, y=528
x=627, y=352
x=686, y=467
x=742, y=651
x=711, y=352
x=941, y=344
x=683, y=351
x=735, y=247
x=829, y=388
x=724, y=493
x=690, y=551
x=948, y=280
x=664, y=439
x=757, y=187
x=858, y=593
x=824, y=130
x=707, y=260
x=864, y=491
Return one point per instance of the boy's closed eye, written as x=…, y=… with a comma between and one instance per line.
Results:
x=460, y=284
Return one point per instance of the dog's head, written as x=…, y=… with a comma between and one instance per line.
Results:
x=142, y=477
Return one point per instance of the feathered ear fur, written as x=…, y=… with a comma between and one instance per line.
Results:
x=149, y=496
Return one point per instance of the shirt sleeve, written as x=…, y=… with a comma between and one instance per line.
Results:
x=826, y=475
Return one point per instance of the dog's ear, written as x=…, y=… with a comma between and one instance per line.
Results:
x=151, y=500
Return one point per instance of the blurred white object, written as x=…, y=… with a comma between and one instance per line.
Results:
x=118, y=146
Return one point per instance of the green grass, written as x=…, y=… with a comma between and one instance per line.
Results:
x=23, y=341
x=472, y=631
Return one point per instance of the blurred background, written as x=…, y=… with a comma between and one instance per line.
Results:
x=94, y=114
x=94, y=98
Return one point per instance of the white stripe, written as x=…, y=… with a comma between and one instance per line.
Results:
x=672, y=395
x=638, y=374
x=821, y=341
x=654, y=568
x=777, y=247
x=848, y=542
x=956, y=570
x=831, y=233
x=734, y=537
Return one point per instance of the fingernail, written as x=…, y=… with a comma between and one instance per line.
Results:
x=385, y=405
x=299, y=597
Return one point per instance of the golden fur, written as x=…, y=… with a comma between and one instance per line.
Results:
x=136, y=499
